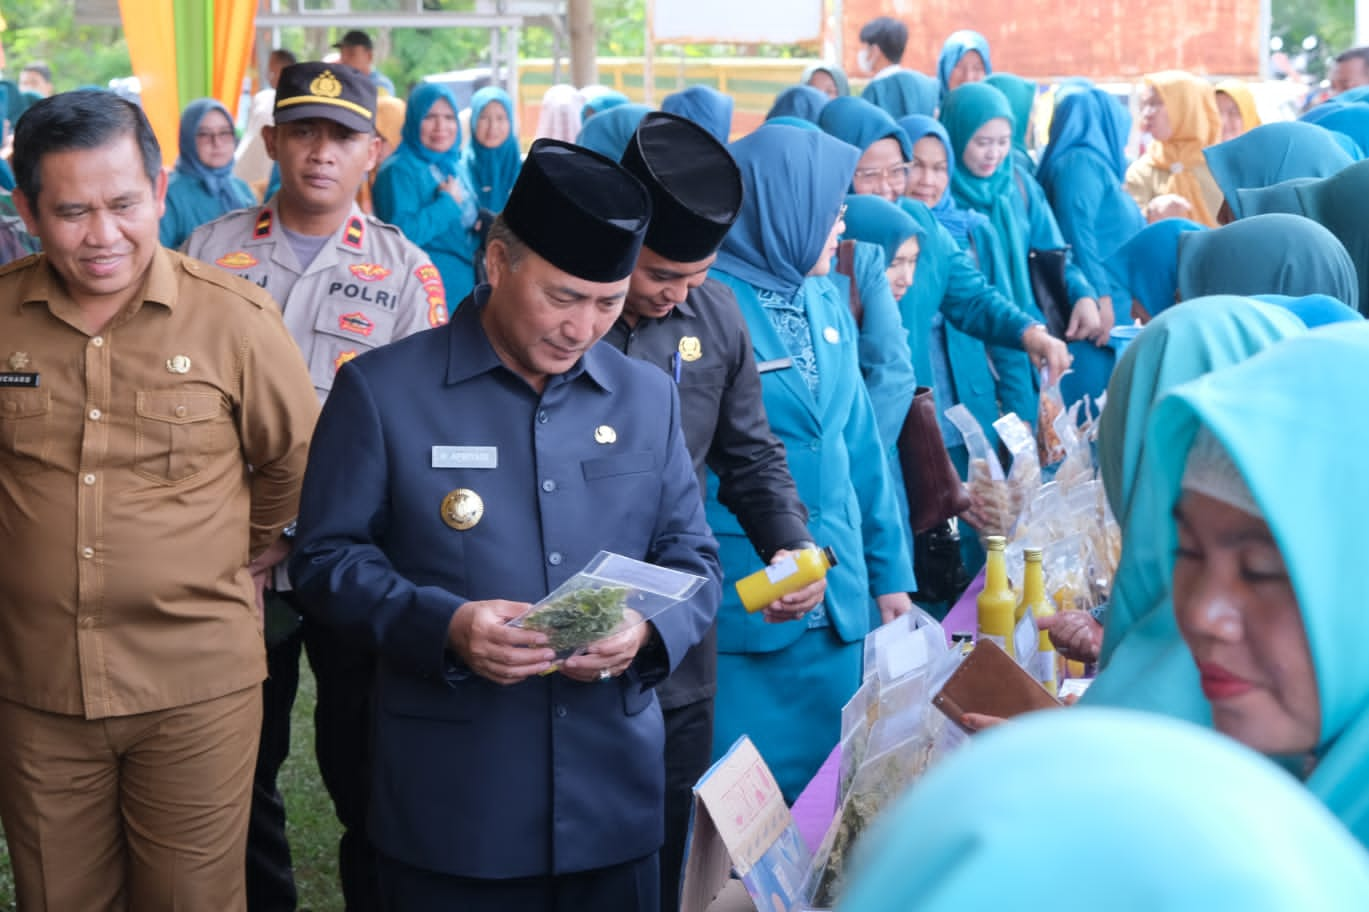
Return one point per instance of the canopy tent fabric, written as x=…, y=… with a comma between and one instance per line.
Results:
x=186, y=49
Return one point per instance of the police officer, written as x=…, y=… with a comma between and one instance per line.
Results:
x=460, y=475
x=689, y=325
x=346, y=284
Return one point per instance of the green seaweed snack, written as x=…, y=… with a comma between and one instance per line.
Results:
x=578, y=618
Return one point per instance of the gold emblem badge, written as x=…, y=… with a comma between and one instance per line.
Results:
x=690, y=349
x=178, y=365
x=605, y=434
x=325, y=85
x=462, y=509
x=19, y=361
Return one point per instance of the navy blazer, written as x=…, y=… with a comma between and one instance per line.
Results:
x=470, y=778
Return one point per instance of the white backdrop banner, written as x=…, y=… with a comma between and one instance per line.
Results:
x=737, y=21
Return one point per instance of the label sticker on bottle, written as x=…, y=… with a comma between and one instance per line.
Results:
x=1026, y=641
x=783, y=570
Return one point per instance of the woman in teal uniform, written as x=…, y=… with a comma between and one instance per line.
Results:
x=202, y=186
x=784, y=683
x=492, y=159
x=423, y=190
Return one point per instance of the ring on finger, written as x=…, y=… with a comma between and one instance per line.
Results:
x=605, y=674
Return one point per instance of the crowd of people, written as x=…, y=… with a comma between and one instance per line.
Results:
x=368, y=381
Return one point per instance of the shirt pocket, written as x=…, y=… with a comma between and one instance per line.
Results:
x=25, y=429
x=639, y=463
x=177, y=434
x=343, y=330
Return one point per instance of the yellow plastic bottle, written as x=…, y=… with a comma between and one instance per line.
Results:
x=797, y=570
x=1034, y=599
x=997, y=605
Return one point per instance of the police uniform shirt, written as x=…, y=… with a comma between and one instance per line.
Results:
x=704, y=344
x=368, y=286
x=570, y=774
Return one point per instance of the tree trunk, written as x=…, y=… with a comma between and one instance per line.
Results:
x=580, y=14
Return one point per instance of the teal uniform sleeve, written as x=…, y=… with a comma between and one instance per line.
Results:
x=886, y=364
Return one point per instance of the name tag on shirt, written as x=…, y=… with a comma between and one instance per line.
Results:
x=765, y=367
x=16, y=378
x=465, y=457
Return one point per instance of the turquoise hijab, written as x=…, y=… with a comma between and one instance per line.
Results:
x=420, y=102
x=1182, y=344
x=1350, y=120
x=784, y=120
x=957, y=46
x=608, y=133
x=604, y=100
x=1150, y=263
x=217, y=182
x=1272, y=153
x=968, y=108
x=858, y=123
x=959, y=222
x=1021, y=95
x=802, y=101
x=1314, y=310
x=1178, y=819
x=1282, y=197
x=705, y=106
x=1267, y=254
x=795, y=184
x=1282, y=419
x=1337, y=202
x=878, y=221
x=902, y=93
x=1091, y=121
x=831, y=69
x=493, y=171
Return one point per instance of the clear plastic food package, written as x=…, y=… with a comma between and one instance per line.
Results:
x=611, y=594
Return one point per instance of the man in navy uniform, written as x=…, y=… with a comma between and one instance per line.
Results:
x=688, y=325
x=458, y=476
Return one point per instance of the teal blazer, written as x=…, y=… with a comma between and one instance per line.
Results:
x=983, y=326
x=834, y=452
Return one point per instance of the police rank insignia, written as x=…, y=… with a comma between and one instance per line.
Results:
x=354, y=233
x=690, y=350
x=605, y=434
x=263, y=227
x=19, y=361
x=462, y=509
x=178, y=365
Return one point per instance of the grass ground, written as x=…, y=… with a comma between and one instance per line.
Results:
x=313, y=829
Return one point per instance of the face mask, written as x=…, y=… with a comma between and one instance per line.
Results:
x=864, y=62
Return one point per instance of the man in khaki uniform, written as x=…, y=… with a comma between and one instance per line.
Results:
x=154, y=420
x=346, y=283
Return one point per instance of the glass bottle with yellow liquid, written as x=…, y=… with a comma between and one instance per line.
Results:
x=1034, y=599
x=997, y=605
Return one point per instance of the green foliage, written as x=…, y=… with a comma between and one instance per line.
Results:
x=1331, y=21
x=46, y=30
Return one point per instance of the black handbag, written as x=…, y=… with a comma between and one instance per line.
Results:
x=1052, y=293
x=941, y=573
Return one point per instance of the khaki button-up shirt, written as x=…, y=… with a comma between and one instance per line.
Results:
x=139, y=470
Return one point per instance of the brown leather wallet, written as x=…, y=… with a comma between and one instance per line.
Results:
x=989, y=682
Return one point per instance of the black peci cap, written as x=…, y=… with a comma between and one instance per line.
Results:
x=333, y=91
x=695, y=186
x=579, y=211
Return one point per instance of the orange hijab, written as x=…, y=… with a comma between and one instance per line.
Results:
x=1240, y=93
x=1192, y=107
